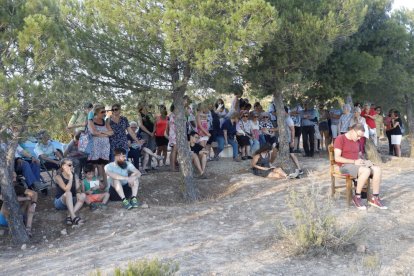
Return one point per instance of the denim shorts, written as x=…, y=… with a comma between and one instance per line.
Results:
x=60, y=205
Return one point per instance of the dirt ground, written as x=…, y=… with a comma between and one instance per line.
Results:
x=231, y=231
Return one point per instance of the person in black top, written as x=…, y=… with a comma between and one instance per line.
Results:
x=198, y=154
x=396, y=133
x=68, y=195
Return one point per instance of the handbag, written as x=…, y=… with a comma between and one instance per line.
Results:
x=85, y=142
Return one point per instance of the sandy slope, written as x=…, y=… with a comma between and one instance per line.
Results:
x=231, y=234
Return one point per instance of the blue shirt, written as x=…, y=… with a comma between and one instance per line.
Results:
x=311, y=117
x=230, y=127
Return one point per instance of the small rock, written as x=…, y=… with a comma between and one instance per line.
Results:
x=361, y=248
x=32, y=246
x=64, y=232
x=24, y=246
x=221, y=222
x=2, y=232
x=50, y=245
x=20, y=255
x=144, y=206
x=121, y=214
x=44, y=237
x=46, y=240
x=128, y=225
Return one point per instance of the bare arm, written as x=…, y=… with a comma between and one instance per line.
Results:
x=254, y=163
x=59, y=181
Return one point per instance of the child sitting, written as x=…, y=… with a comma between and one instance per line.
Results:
x=96, y=191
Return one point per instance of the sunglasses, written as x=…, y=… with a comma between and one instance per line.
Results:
x=246, y=116
x=103, y=111
x=265, y=117
x=115, y=109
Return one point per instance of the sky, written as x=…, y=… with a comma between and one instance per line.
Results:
x=409, y=4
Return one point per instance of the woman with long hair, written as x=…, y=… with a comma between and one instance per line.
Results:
x=262, y=160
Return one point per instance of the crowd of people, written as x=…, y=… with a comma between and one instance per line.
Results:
x=108, y=153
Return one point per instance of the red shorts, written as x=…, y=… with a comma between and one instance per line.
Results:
x=95, y=197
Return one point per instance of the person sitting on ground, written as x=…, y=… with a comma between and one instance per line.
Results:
x=79, y=158
x=27, y=200
x=198, y=154
x=68, y=193
x=29, y=167
x=346, y=150
x=79, y=119
x=47, y=153
x=122, y=173
x=96, y=191
x=262, y=160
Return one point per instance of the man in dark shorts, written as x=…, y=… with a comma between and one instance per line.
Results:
x=347, y=157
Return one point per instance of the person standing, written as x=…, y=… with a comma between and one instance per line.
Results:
x=369, y=114
x=396, y=133
x=308, y=118
x=79, y=119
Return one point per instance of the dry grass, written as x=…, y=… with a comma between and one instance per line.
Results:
x=145, y=267
x=315, y=229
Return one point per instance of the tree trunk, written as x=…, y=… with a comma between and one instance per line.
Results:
x=372, y=153
x=410, y=120
x=15, y=221
x=190, y=190
x=283, y=159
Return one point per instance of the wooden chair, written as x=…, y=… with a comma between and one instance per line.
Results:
x=335, y=173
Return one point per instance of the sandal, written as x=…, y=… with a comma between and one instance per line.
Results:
x=68, y=221
x=76, y=221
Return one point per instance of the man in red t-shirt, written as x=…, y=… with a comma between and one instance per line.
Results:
x=346, y=156
x=369, y=114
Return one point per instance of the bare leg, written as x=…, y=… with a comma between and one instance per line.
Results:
x=145, y=162
x=80, y=199
x=363, y=175
x=173, y=158
x=118, y=188
x=101, y=173
x=277, y=173
x=196, y=162
x=203, y=161
x=164, y=151
x=397, y=150
x=67, y=198
x=247, y=149
x=134, y=186
x=376, y=179
x=105, y=198
x=295, y=160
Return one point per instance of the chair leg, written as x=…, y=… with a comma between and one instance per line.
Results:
x=348, y=190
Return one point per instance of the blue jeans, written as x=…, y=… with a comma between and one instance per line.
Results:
x=254, y=145
x=232, y=142
x=30, y=171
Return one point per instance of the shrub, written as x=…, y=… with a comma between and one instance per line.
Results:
x=315, y=228
x=145, y=267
